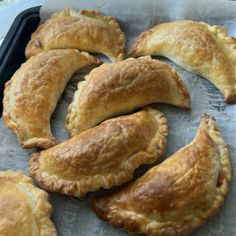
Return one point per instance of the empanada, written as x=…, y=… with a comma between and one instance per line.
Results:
x=196, y=46
x=86, y=30
x=178, y=195
x=121, y=87
x=102, y=157
x=24, y=208
x=31, y=95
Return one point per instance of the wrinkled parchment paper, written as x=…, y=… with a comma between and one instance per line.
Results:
x=74, y=217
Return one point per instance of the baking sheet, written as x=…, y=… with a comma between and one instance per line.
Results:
x=74, y=217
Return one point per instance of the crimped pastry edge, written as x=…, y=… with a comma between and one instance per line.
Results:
x=180, y=83
x=29, y=51
x=133, y=52
x=111, y=20
x=219, y=32
x=229, y=44
x=43, y=209
x=73, y=188
x=129, y=220
x=11, y=124
x=72, y=114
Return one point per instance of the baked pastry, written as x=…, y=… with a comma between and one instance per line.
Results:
x=118, y=88
x=196, y=46
x=86, y=30
x=102, y=157
x=178, y=195
x=31, y=95
x=24, y=208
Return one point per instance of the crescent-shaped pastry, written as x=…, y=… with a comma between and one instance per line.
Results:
x=24, y=208
x=121, y=87
x=196, y=46
x=31, y=95
x=178, y=195
x=86, y=30
x=102, y=157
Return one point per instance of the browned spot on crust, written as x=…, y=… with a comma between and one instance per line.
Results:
x=37, y=44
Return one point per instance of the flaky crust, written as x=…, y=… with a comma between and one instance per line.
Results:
x=196, y=46
x=24, y=208
x=102, y=157
x=178, y=195
x=121, y=87
x=87, y=30
x=31, y=95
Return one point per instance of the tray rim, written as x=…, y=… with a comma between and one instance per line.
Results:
x=11, y=36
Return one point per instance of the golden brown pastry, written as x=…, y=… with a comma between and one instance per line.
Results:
x=24, y=208
x=118, y=88
x=31, y=95
x=102, y=157
x=196, y=46
x=178, y=195
x=86, y=30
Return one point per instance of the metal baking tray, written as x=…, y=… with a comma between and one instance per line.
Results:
x=73, y=217
x=13, y=46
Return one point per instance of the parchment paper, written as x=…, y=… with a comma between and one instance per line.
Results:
x=74, y=217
